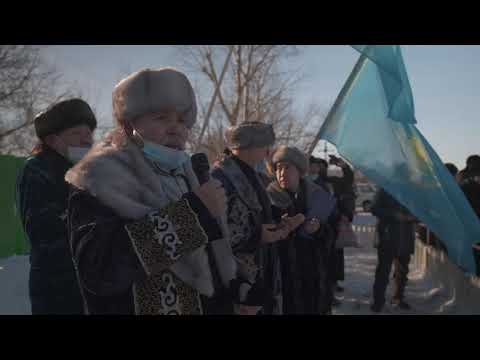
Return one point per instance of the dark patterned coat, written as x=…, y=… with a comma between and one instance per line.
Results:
x=139, y=234
x=123, y=264
x=305, y=259
x=248, y=208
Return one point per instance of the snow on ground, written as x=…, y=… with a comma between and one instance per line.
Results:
x=14, y=286
x=359, y=276
x=360, y=264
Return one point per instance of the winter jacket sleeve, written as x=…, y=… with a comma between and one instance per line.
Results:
x=112, y=253
x=43, y=214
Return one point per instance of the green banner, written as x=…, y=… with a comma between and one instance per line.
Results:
x=12, y=238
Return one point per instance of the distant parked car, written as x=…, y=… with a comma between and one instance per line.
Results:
x=364, y=196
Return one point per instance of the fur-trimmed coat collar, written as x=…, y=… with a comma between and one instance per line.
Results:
x=116, y=172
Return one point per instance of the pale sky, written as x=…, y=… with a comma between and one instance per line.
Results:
x=445, y=82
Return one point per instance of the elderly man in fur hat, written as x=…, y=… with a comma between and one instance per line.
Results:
x=249, y=216
x=141, y=226
x=306, y=254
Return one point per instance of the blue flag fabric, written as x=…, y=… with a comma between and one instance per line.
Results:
x=372, y=124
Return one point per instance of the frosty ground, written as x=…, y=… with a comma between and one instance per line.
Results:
x=359, y=276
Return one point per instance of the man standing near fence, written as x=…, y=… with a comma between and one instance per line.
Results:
x=65, y=135
x=396, y=235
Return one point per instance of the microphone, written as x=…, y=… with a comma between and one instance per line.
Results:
x=222, y=250
x=201, y=167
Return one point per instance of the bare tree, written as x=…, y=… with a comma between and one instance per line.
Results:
x=104, y=119
x=299, y=128
x=255, y=88
x=27, y=85
x=92, y=95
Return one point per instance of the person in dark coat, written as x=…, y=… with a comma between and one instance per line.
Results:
x=470, y=183
x=472, y=162
x=396, y=235
x=143, y=231
x=254, y=235
x=305, y=255
x=345, y=195
x=318, y=173
x=65, y=135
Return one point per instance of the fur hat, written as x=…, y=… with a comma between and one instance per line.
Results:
x=64, y=115
x=151, y=91
x=293, y=156
x=249, y=135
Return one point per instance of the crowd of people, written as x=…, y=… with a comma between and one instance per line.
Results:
x=133, y=225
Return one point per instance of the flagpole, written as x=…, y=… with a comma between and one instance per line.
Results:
x=341, y=95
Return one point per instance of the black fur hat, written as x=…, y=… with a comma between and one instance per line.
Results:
x=64, y=115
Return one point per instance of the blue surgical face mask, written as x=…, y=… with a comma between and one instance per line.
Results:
x=311, y=177
x=167, y=158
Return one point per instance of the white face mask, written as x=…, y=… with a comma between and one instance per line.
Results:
x=76, y=153
x=167, y=158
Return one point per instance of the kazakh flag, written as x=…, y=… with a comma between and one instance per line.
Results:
x=372, y=124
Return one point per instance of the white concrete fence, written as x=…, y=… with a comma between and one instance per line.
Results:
x=460, y=289
x=458, y=293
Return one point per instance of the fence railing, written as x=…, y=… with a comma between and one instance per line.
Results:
x=365, y=228
x=429, y=238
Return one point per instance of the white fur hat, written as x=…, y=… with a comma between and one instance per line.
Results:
x=151, y=91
